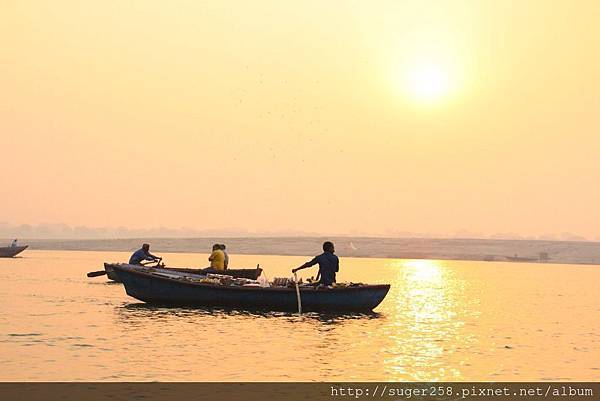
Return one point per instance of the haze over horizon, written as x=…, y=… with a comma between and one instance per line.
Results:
x=313, y=117
x=63, y=231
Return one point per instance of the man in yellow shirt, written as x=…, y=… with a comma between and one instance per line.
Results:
x=217, y=258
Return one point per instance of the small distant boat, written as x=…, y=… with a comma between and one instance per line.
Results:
x=10, y=251
x=164, y=287
x=520, y=259
x=252, y=274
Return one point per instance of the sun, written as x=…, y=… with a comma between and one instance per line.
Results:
x=427, y=79
x=427, y=83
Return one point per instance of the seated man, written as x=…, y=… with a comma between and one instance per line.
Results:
x=329, y=264
x=14, y=243
x=217, y=258
x=226, y=263
x=143, y=254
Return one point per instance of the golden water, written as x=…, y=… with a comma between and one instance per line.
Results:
x=442, y=320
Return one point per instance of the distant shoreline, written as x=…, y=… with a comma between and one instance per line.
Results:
x=524, y=251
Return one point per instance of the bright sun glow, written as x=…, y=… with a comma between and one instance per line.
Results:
x=429, y=74
x=428, y=83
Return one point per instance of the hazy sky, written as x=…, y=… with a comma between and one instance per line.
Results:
x=324, y=116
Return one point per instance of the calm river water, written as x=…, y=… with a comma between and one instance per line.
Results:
x=442, y=320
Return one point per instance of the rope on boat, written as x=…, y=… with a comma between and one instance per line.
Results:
x=298, y=294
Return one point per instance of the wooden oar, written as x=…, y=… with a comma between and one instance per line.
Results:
x=158, y=263
x=298, y=294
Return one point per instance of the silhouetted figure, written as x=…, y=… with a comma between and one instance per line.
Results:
x=226, y=261
x=143, y=254
x=329, y=264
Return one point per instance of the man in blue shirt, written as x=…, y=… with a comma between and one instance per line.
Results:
x=329, y=264
x=143, y=254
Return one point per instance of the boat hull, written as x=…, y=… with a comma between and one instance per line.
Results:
x=110, y=272
x=252, y=274
x=10, y=251
x=156, y=289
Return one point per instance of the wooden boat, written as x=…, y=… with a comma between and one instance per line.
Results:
x=10, y=251
x=167, y=287
x=252, y=274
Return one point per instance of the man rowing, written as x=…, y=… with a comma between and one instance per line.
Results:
x=143, y=254
x=329, y=264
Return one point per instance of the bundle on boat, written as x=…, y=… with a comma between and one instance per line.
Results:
x=289, y=282
x=216, y=279
x=169, y=287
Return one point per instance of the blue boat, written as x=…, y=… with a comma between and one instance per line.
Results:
x=164, y=287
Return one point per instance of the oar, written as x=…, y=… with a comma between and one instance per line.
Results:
x=298, y=294
x=96, y=274
x=158, y=263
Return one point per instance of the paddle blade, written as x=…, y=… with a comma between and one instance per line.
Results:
x=96, y=274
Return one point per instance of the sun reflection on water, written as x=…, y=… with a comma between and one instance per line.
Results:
x=423, y=270
x=429, y=328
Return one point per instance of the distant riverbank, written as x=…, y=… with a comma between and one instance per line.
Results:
x=570, y=252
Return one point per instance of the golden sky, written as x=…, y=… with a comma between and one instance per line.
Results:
x=336, y=117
